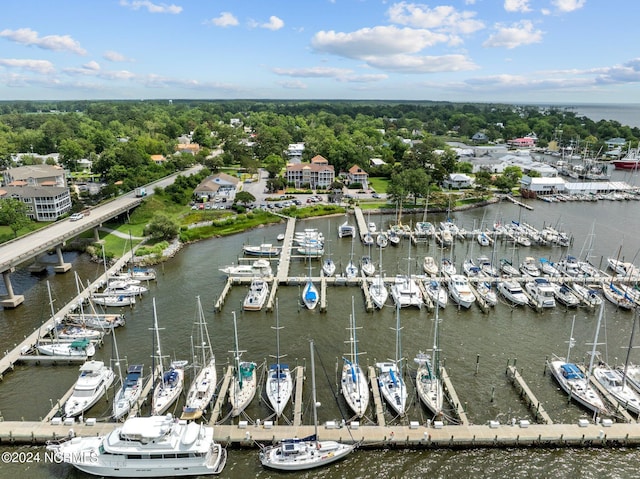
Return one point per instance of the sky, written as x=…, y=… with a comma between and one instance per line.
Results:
x=523, y=51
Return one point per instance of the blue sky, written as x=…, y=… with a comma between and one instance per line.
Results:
x=558, y=51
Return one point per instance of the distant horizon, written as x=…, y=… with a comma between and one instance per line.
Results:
x=460, y=51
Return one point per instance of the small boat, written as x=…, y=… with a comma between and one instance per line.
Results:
x=306, y=453
x=447, y=267
x=565, y=295
x=483, y=239
x=588, y=295
x=258, y=268
x=68, y=332
x=437, y=293
x=487, y=293
x=548, y=268
x=203, y=386
x=367, y=266
x=368, y=240
x=99, y=321
x=94, y=380
x=484, y=263
x=244, y=385
x=570, y=267
x=378, y=292
x=311, y=251
x=257, y=295
x=507, y=268
x=430, y=266
x=351, y=270
x=512, y=292
x=617, y=297
x=310, y=296
x=542, y=292
x=143, y=274
x=390, y=380
x=424, y=228
x=156, y=446
x=328, y=267
x=394, y=237
x=345, y=230
x=124, y=288
x=382, y=240
x=80, y=348
x=355, y=388
x=470, y=269
x=129, y=392
x=371, y=226
x=265, y=249
x=460, y=291
x=622, y=268
x=528, y=267
x=279, y=383
x=113, y=300
x=405, y=292
x=280, y=237
x=613, y=382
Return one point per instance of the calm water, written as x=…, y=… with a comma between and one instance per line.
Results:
x=497, y=337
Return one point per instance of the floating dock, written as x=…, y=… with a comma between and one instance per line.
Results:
x=532, y=401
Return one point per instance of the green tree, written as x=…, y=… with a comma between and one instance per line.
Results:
x=273, y=164
x=161, y=227
x=13, y=213
x=244, y=197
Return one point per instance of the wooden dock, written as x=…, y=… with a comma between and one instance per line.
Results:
x=223, y=295
x=532, y=401
x=377, y=400
x=448, y=386
x=222, y=396
x=363, y=227
x=368, y=304
x=297, y=400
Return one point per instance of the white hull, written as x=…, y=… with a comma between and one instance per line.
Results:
x=310, y=295
x=200, y=392
x=405, y=292
x=257, y=295
x=575, y=384
x=279, y=388
x=167, y=391
x=128, y=394
x=243, y=390
x=94, y=380
x=392, y=386
x=429, y=386
x=512, y=292
x=460, y=291
x=112, y=300
x=303, y=455
x=354, y=388
x=378, y=292
x=625, y=394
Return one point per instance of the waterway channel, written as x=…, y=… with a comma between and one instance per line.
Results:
x=476, y=346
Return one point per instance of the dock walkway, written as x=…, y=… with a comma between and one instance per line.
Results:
x=533, y=403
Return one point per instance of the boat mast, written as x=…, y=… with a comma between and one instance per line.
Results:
x=277, y=328
x=313, y=392
x=595, y=342
x=572, y=342
x=237, y=352
x=626, y=362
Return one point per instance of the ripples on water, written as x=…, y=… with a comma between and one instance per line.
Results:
x=498, y=337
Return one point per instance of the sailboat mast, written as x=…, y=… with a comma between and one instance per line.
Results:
x=626, y=361
x=595, y=342
x=313, y=392
x=571, y=340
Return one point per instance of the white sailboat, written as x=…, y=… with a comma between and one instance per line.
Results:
x=171, y=383
x=428, y=377
x=390, y=381
x=279, y=382
x=203, y=387
x=353, y=382
x=306, y=453
x=573, y=381
x=129, y=392
x=310, y=296
x=377, y=289
x=243, y=387
x=351, y=269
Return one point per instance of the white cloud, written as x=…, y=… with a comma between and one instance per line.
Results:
x=515, y=35
x=517, y=6
x=37, y=66
x=274, y=23
x=26, y=36
x=115, y=57
x=568, y=5
x=314, y=72
x=92, y=65
x=423, y=64
x=226, y=19
x=376, y=41
x=152, y=7
x=441, y=18
x=370, y=78
x=293, y=85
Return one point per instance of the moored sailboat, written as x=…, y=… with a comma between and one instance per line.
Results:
x=243, y=387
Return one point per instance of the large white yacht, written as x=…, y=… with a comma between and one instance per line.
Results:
x=406, y=292
x=460, y=290
x=94, y=380
x=155, y=446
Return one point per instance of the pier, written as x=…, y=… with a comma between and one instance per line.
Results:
x=532, y=401
x=222, y=396
x=297, y=399
x=448, y=386
x=377, y=400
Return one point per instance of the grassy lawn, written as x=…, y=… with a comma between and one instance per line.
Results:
x=379, y=184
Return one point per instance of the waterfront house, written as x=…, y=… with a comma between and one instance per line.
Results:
x=214, y=185
x=358, y=175
x=317, y=174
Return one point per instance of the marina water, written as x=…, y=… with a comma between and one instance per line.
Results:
x=476, y=347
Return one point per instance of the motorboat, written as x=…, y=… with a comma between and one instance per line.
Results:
x=430, y=266
x=130, y=391
x=203, y=386
x=424, y=228
x=308, y=452
x=570, y=267
x=529, y=268
x=371, y=227
x=542, y=292
x=94, y=380
x=444, y=238
x=405, y=292
x=565, y=295
x=258, y=268
x=437, y=293
x=512, y=292
x=257, y=295
x=460, y=291
x=265, y=249
x=155, y=446
x=244, y=384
